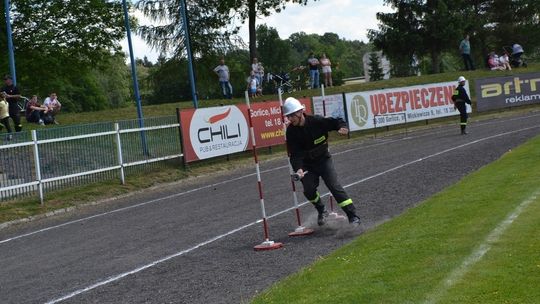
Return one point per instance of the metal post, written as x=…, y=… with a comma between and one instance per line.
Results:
x=7, y=6
x=119, y=150
x=134, y=77
x=266, y=244
x=183, y=11
x=37, y=166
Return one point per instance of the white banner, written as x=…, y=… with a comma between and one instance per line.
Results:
x=333, y=104
x=380, y=108
x=218, y=131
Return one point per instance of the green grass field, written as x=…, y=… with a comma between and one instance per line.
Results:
x=460, y=246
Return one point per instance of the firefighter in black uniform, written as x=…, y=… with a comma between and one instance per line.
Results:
x=12, y=97
x=460, y=98
x=307, y=141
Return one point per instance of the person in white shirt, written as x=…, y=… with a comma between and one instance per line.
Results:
x=223, y=73
x=53, y=106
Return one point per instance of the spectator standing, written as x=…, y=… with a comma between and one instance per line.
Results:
x=307, y=142
x=313, y=64
x=35, y=112
x=461, y=98
x=465, y=50
x=258, y=69
x=4, y=114
x=326, y=70
x=12, y=97
x=53, y=106
x=253, y=85
x=223, y=73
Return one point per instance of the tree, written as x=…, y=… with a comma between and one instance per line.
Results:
x=63, y=45
x=423, y=27
x=251, y=9
x=375, y=69
x=208, y=22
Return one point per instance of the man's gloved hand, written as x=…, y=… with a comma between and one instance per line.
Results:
x=298, y=175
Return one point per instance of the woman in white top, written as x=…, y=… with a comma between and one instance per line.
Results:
x=326, y=70
x=4, y=115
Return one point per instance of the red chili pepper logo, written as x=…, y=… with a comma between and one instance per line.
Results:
x=218, y=117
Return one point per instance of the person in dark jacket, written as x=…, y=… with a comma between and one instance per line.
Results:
x=460, y=98
x=307, y=142
x=12, y=97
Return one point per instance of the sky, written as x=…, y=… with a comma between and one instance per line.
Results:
x=350, y=19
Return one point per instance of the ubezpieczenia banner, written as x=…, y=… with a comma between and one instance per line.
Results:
x=371, y=109
x=509, y=91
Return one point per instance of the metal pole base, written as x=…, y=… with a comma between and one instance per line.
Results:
x=301, y=231
x=267, y=245
x=333, y=216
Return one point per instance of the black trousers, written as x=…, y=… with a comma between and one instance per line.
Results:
x=462, y=108
x=15, y=114
x=5, y=122
x=467, y=61
x=325, y=170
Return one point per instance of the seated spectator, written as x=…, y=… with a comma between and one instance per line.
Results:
x=35, y=112
x=53, y=106
x=493, y=62
x=4, y=114
x=504, y=61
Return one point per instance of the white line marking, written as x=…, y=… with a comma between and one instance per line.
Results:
x=479, y=253
x=122, y=275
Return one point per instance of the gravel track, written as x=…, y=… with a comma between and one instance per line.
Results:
x=193, y=242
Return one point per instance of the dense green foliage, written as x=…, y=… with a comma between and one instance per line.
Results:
x=72, y=47
x=69, y=47
x=375, y=69
x=167, y=81
x=433, y=29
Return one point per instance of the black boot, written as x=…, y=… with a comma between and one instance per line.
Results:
x=350, y=211
x=463, y=131
x=322, y=213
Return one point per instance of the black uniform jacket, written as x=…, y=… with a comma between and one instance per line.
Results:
x=460, y=95
x=308, y=144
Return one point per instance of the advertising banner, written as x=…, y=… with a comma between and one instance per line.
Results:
x=508, y=91
x=211, y=132
x=218, y=131
x=333, y=106
x=267, y=124
x=380, y=108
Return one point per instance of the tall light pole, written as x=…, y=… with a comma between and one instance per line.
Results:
x=183, y=11
x=134, y=76
x=7, y=6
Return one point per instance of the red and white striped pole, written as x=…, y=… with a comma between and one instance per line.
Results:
x=300, y=230
x=266, y=244
x=332, y=215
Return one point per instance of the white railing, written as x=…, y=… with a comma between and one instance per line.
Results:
x=39, y=181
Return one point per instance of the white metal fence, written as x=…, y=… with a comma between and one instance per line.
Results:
x=50, y=159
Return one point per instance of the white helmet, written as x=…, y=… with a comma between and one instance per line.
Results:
x=461, y=78
x=291, y=105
